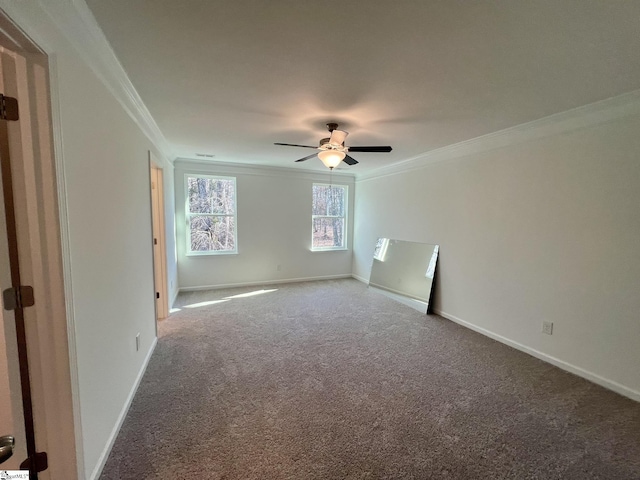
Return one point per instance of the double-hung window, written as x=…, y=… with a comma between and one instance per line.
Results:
x=211, y=214
x=329, y=217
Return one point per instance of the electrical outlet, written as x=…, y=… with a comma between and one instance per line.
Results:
x=547, y=327
x=138, y=341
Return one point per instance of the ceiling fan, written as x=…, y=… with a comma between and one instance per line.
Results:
x=332, y=149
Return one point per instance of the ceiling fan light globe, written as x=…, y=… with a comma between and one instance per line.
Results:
x=331, y=158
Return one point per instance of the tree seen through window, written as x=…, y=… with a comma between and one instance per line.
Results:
x=328, y=216
x=211, y=214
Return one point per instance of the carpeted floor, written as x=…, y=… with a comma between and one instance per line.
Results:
x=329, y=380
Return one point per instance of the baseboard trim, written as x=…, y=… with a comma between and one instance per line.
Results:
x=102, y=460
x=587, y=375
x=263, y=282
x=360, y=279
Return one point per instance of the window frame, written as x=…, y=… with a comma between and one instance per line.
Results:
x=345, y=239
x=188, y=215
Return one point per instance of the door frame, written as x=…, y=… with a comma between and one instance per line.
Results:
x=158, y=238
x=43, y=243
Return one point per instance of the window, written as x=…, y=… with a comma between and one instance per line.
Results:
x=211, y=214
x=328, y=217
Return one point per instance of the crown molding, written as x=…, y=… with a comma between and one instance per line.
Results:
x=593, y=114
x=208, y=166
x=77, y=24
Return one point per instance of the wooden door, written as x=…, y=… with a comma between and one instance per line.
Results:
x=159, y=241
x=11, y=413
x=17, y=434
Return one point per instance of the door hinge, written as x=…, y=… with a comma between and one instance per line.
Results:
x=40, y=462
x=155, y=241
x=8, y=108
x=157, y=294
x=21, y=297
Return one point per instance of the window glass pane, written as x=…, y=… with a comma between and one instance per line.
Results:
x=212, y=233
x=319, y=200
x=211, y=195
x=328, y=200
x=328, y=232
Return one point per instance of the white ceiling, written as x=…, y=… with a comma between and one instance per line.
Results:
x=231, y=77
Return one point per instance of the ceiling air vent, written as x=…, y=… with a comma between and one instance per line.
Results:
x=204, y=155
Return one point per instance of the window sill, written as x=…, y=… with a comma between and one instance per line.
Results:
x=210, y=254
x=337, y=249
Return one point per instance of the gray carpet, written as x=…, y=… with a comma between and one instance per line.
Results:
x=328, y=380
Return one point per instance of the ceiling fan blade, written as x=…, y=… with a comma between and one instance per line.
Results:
x=338, y=136
x=349, y=160
x=294, y=145
x=307, y=157
x=382, y=149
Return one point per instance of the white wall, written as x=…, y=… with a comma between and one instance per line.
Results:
x=274, y=228
x=107, y=173
x=104, y=160
x=547, y=229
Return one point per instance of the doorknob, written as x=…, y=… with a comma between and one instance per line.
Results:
x=6, y=447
